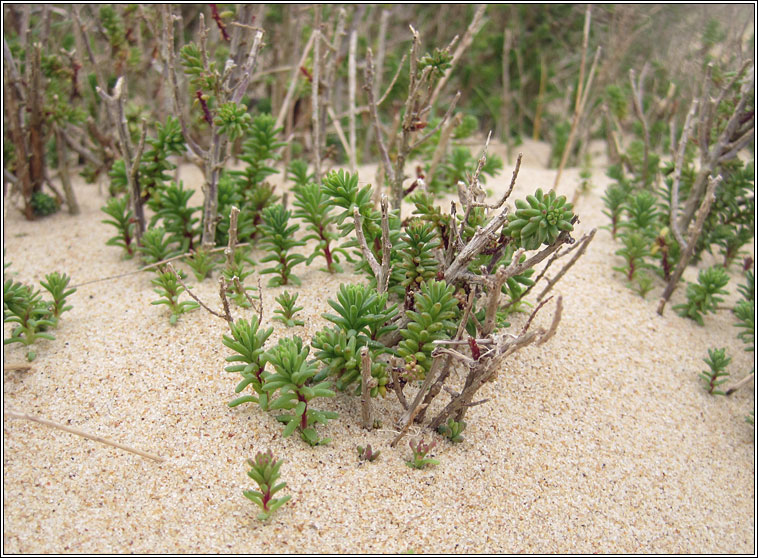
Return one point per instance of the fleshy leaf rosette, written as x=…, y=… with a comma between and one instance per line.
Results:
x=539, y=219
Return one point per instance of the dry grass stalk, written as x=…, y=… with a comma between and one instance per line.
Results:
x=367, y=383
x=582, y=95
x=94, y=437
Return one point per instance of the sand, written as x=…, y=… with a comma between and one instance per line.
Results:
x=602, y=440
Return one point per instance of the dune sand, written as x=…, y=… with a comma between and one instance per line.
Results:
x=602, y=440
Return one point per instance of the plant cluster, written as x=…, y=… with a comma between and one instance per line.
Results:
x=668, y=214
x=702, y=297
x=35, y=317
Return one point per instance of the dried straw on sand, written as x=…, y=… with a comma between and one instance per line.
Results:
x=601, y=440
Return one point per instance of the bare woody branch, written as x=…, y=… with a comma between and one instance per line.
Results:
x=473, y=28
x=226, y=317
x=702, y=213
x=369, y=88
x=673, y=217
x=293, y=82
x=582, y=247
x=381, y=271
x=115, y=103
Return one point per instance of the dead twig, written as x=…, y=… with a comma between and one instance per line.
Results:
x=702, y=213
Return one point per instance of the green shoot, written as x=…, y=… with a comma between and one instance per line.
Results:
x=702, y=296
x=168, y=287
x=292, y=378
x=265, y=472
x=56, y=284
x=123, y=219
x=288, y=310
x=419, y=459
x=202, y=263
x=248, y=341
x=367, y=454
x=279, y=240
x=452, y=430
x=24, y=306
x=717, y=361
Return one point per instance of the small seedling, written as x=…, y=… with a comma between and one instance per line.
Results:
x=202, y=263
x=123, y=219
x=452, y=430
x=288, y=310
x=367, y=454
x=265, y=472
x=420, y=450
x=155, y=246
x=702, y=296
x=168, y=286
x=717, y=361
x=279, y=241
x=56, y=284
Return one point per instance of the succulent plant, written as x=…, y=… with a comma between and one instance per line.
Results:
x=44, y=204
x=123, y=219
x=288, y=310
x=717, y=361
x=23, y=305
x=453, y=430
x=540, y=219
x=279, y=240
x=155, y=246
x=290, y=387
x=56, y=283
x=180, y=221
x=340, y=353
x=168, y=286
x=313, y=207
x=702, y=297
x=248, y=340
x=265, y=472
x=367, y=454
x=418, y=261
x=419, y=459
x=435, y=306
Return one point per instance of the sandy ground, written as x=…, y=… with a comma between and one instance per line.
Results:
x=602, y=440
